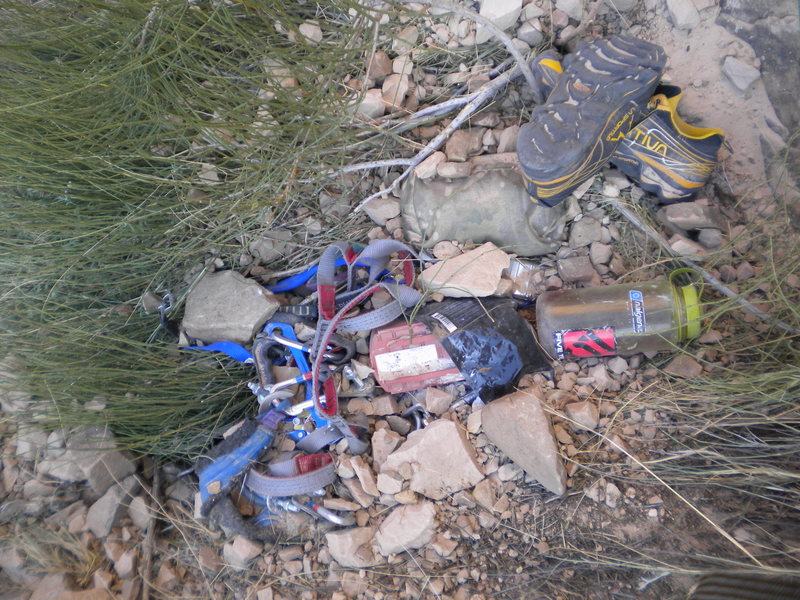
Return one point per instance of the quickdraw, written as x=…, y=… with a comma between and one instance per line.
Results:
x=305, y=475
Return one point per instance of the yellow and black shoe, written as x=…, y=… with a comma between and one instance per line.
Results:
x=665, y=155
x=600, y=96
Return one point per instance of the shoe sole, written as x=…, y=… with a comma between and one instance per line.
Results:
x=599, y=97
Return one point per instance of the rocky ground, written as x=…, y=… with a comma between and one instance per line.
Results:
x=480, y=502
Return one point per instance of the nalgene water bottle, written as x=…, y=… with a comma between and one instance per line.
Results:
x=621, y=319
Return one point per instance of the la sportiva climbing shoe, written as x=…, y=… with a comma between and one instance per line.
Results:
x=665, y=155
x=599, y=97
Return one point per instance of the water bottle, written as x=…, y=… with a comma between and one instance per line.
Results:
x=617, y=320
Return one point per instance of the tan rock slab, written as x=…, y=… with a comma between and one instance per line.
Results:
x=439, y=458
x=476, y=273
x=518, y=425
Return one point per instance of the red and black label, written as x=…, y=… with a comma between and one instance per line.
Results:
x=585, y=343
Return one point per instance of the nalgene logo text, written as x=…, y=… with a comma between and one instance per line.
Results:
x=638, y=319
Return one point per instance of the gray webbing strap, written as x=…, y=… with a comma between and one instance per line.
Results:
x=291, y=485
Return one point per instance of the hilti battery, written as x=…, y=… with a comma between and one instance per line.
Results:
x=407, y=356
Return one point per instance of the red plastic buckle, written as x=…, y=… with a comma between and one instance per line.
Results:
x=327, y=301
x=311, y=462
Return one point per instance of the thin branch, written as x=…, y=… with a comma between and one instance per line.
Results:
x=708, y=277
x=496, y=32
x=487, y=91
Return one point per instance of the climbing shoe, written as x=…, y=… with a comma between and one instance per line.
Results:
x=602, y=93
x=666, y=156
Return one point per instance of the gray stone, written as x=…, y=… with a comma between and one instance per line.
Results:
x=270, y=246
x=240, y=552
x=405, y=40
x=508, y=139
x=394, y=90
x=599, y=253
x=352, y=547
x=618, y=365
x=380, y=65
x=139, y=512
x=454, y=170
x=683, y=246
x=381, y=209
x=441, y=460
x=683, y=14
x=503, y=13
x=407, y=527
x=54, y=586
x=576, y=268
x=530, y=32
x=710, y=238
x=108, y=511
x=739, y=73
x=684, y=366
x=11, y=400
x=464, y=143
x=518, y=425
x=584, y=232
x=585, y=413
x=745, y=271
x=573, y=8
x=226, y=306
x=690, y=215
x=31, y=442
x=371, y=105
x=428, y=167
x=94, y=450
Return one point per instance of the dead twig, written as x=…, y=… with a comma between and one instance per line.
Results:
x=707, y=277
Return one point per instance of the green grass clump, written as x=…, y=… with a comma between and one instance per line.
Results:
x=141, y=140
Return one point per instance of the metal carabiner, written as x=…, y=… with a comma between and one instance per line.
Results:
x=419, y=413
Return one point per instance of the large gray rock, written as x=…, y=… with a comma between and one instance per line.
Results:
x=518, y=425
x=225, y=306
x=440, y=459
x=407, y=527
x=94, y=450
x=491, y=206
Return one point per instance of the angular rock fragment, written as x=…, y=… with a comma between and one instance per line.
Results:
x=440, y=459
x=226, y=306
x=407, y=527
x=518, y=425
x=473, y=274
x=352, y=547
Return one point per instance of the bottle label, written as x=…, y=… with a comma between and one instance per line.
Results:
x=638, y=319
x=585, y=343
